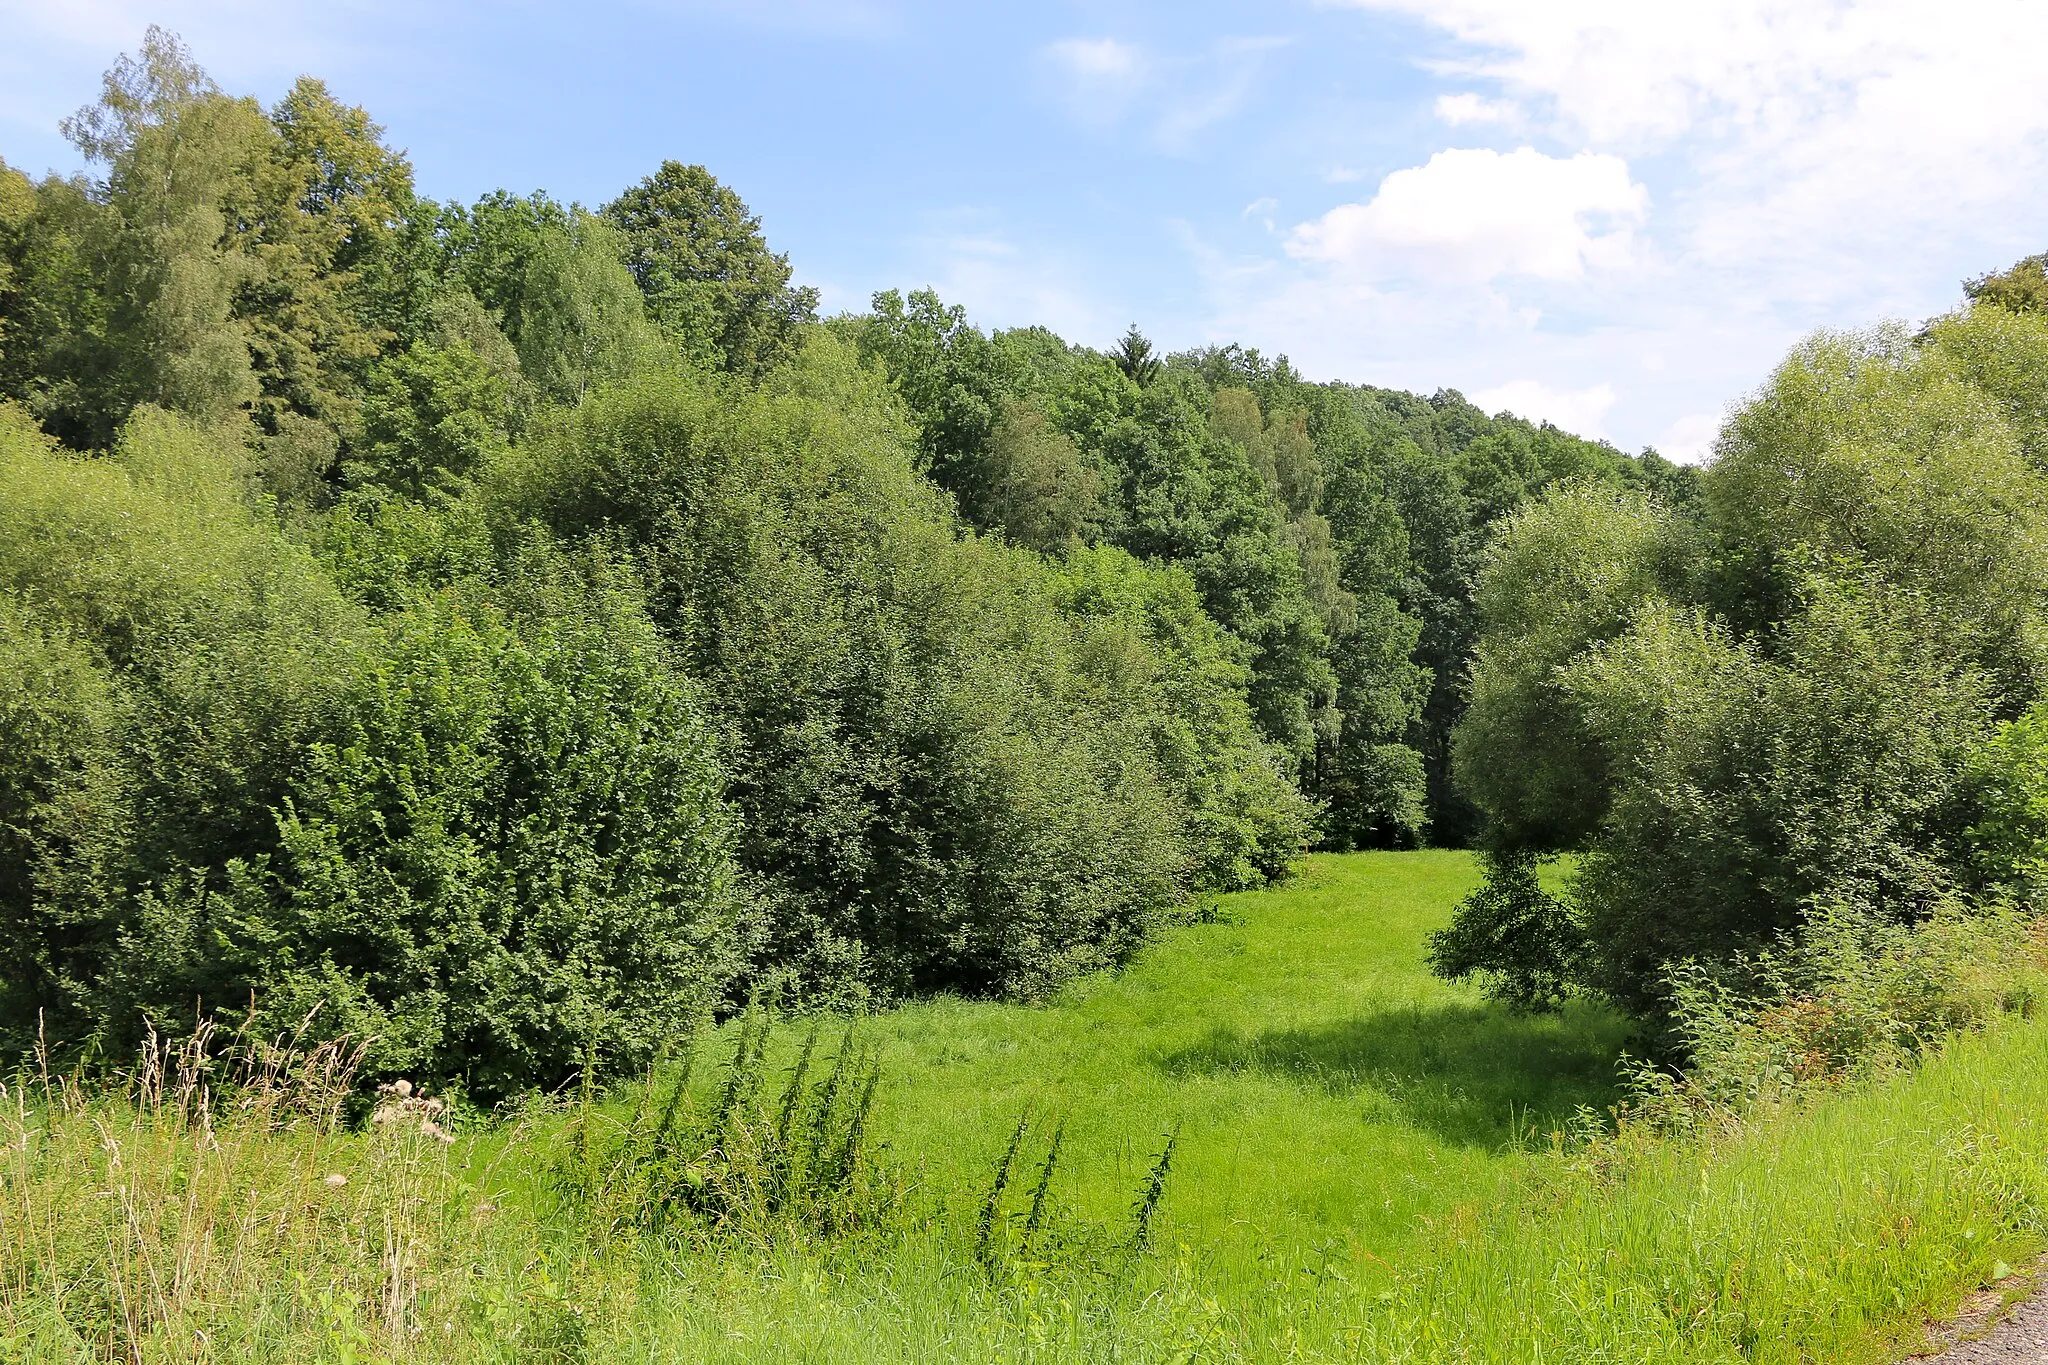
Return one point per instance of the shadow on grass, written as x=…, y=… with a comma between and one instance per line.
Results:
x=1472, y=1075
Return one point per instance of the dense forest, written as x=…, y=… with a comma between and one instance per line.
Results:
x=512, y=630
x=520, y=627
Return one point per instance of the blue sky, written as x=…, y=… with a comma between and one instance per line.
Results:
x=1613, y=213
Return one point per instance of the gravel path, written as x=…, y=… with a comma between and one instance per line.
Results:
x=2020, y=1338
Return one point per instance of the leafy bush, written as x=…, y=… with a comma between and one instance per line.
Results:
x=1780, y=710
x=1245, y=823
x=512, y=859
x=1830, y=774
x=485, y=829
x=1519, y=938
x=2008, y=777
x=942, y=779
x=174, y=656
x=1846, y=1001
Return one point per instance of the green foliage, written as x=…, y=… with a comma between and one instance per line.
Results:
x=1038, y=489
x=54, y=353
x=2008, y=781
x=17, y=213
x=747, y=1165
x=193, y=652
x=941, y=781
x=553, y=278
x=1558, y=577
x=513, y=856
x=1196, y=498
x=577, y=320
x=1200, y=612
x=954, y=379
x=1334, y=530
x=2020, y=288
x=233, y=265
x=1133, y=355
x=711, y=283
x=1834, y=1232
x=1869, y=450
x=1779, y=710
x=1851, y=1001
x=486, y=829
x=2004, y=356
x=436, y=411
x=319, y=217
x=57, y=721
x=307, y=778
x=1828, y=775
x=1513, y=934
x=177, y=153
x=1245, y=823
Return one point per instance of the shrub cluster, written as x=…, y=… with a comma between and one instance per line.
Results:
x=485, y=828
x=1849, y=1002
x=1786, y=713
x=953, y=763
x=696, y=690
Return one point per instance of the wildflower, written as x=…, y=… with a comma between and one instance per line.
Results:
x=400, y=1104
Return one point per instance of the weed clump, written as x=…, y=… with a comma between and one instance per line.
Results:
x=745, y=1165
x=1850, y=1001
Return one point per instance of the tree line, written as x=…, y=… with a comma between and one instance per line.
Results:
x=1794, y=717
x=511, y=629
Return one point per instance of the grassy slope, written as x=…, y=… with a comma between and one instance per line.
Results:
x=1331, y=1094
x=1351, y=1189
x=1348, y=1187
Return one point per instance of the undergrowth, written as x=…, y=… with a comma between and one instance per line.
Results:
x=1851, y=1001
x=1858, y=1145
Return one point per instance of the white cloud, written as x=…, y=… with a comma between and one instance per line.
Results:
x=1098, y=59
x=1172, y=97
x=1583, y=411
x=1474, y=215
x=1467, y=107
x=1813, y=163
x=1620, y=69
x=1802, y=127
x=1690, y=439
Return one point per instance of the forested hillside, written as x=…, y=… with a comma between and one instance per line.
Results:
x=556, y=804
x=517, y=628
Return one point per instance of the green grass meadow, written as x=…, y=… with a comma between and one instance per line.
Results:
x=1332, y=1097
x=1363, y=1170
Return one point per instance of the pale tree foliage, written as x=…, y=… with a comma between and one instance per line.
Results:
x=1774, y=712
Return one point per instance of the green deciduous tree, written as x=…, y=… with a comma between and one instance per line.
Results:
x=939, y=782
x=484, y=829
x=710, y=281
x=2020, y=288
x=1775, y=710
x=1036, y=486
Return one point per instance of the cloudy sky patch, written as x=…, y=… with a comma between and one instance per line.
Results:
x=1611, y=215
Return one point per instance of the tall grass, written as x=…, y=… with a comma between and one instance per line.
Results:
x=742, y=1166
x=766, y=1198
x=212, y=1203
x=1828, y=1233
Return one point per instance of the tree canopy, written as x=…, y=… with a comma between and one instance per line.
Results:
x=517, y=629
